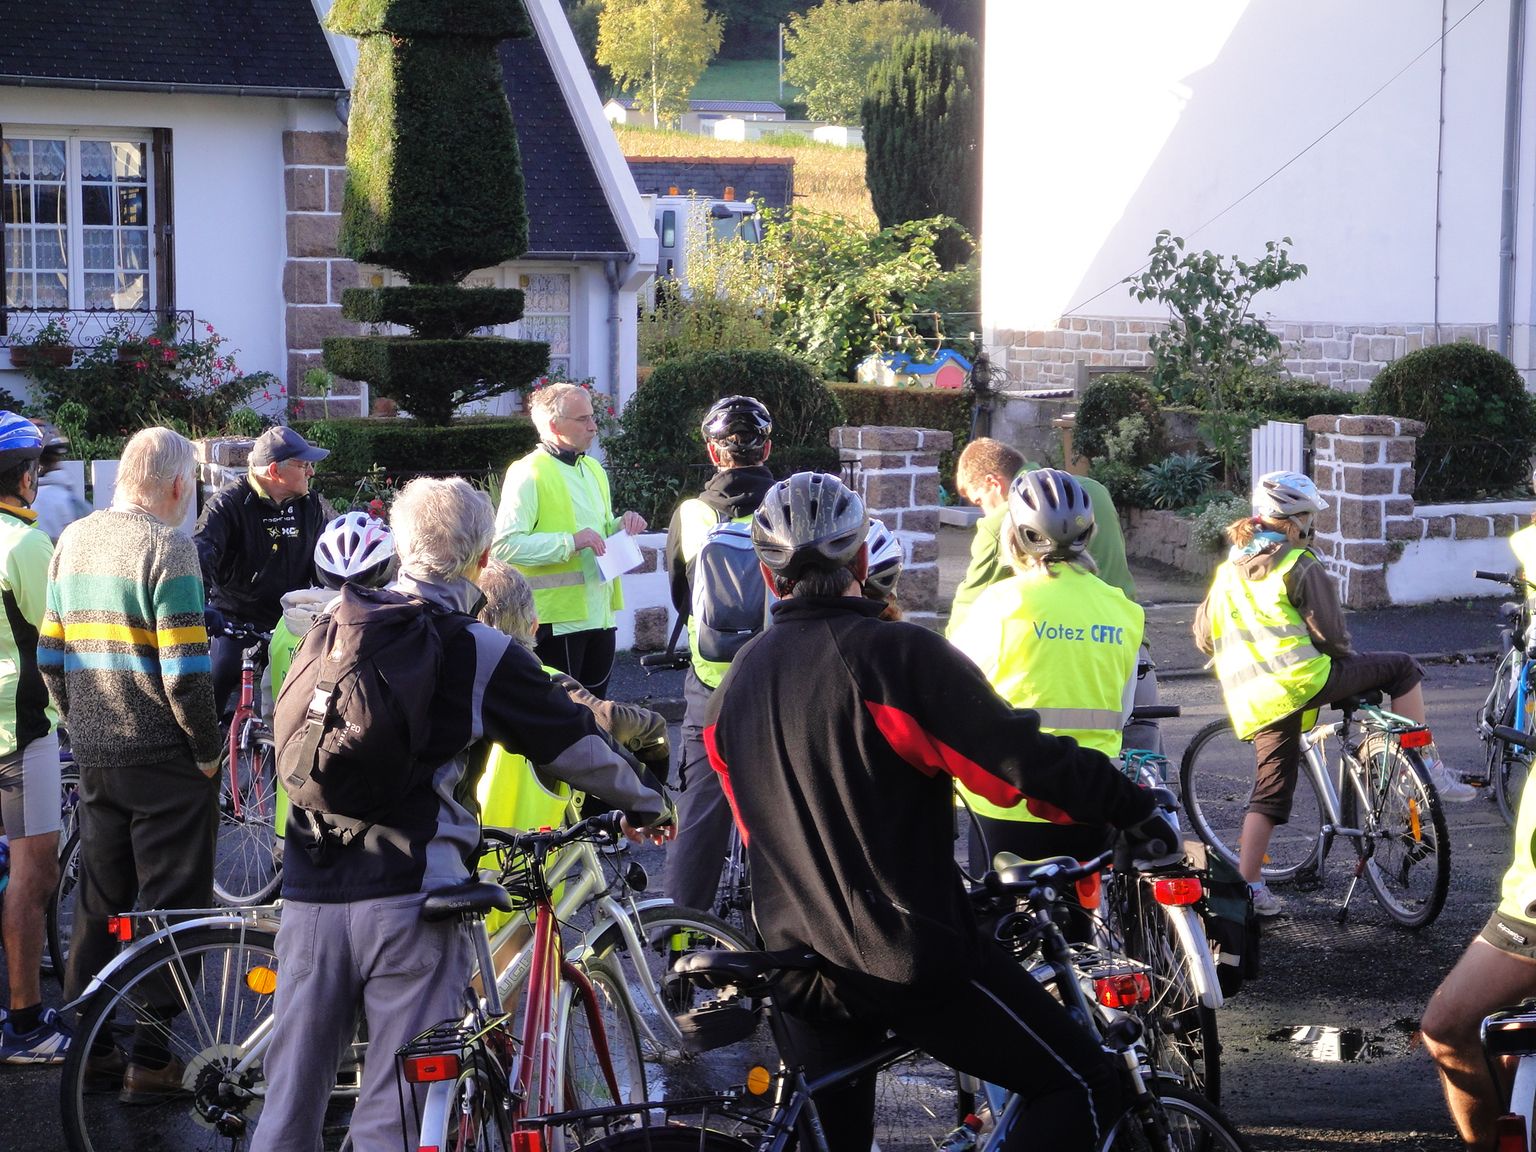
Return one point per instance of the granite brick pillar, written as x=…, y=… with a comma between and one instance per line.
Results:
x=1363, y=466
x=896, y=472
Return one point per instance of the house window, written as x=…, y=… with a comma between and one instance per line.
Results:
x=79, y=212
x=547, y=316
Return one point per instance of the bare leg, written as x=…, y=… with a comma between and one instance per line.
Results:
x=1410, y=704
x=34, y=873
x=1484, y=979
x=1252, y=845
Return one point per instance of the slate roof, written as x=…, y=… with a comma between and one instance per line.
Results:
x=629, y=103
x=271, y=47
x=567, y=210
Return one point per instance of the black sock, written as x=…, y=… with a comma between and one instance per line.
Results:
x=23, y=1020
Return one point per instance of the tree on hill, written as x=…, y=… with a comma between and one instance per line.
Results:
x=830, y=50
x=657, y=49
x=922, y=135
x=752, y=26
x=583, y=16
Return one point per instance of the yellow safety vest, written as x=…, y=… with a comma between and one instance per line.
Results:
x=1524, y=544
x=1518, y=891
x=559, y=589
x=1265, y=658
x=695, y=519
x=1065, y=645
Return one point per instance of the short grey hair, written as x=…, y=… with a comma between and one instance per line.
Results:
x=152, y=460
x=508, y=602
x=548, y=402
x=442, y=526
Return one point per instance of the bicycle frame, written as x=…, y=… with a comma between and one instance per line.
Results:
x=245, y=719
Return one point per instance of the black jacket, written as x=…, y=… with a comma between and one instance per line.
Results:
x=836, y=735
x=731, y=492
x=252, y=550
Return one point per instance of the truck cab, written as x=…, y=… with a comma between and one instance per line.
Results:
x=682, y=221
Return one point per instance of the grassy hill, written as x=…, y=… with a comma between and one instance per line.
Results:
x=743, y=80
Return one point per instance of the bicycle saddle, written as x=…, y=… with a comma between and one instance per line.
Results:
x=751, y=972
x=1355, y=703
x=471, y=897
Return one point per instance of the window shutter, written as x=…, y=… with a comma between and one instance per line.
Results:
x=164, y=223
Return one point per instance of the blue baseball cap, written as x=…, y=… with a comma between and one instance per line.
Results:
x=278, y=445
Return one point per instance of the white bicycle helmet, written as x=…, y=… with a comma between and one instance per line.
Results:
x=354, y=548
x=884, y=561
x=1281, y=495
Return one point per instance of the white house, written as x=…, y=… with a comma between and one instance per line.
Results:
x=189, y=157
x=701, y=116
x=1383, y=138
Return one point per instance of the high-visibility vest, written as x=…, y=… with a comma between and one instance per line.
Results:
x=1524, y=544
x=559, y=589
x=1265, y=658
x=1066, y=645
x=1517, y=893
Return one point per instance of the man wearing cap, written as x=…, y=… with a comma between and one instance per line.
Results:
x=256, y=541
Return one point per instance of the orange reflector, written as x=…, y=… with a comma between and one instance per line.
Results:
x=261, y=980
x=1177, y=891
x=430, y=1068
x=528, y=1140
x=120, y=928
x=1509, y=1134
x=1413, y=820
x=1416, y=738
x=1123, y=991
x=758, y=1080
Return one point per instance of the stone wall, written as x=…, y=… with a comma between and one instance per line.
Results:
x=896, y=472
x=1346, y=356
x=1165, y=537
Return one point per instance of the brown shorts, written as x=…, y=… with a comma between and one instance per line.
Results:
x=1517, y=937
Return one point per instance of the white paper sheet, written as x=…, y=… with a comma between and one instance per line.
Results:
x=621, y=555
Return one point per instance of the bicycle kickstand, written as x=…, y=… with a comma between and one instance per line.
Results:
x=1349, y=893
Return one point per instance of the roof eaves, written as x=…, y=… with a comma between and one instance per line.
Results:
x=97, y=84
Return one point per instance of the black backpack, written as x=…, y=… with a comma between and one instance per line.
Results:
x=730, y=602
x=354, y=713
x=1231, y=925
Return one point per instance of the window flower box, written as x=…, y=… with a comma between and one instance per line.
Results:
x=52, y=355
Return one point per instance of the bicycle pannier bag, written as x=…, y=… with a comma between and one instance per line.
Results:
x=353, y=716
x=1231, y=925
x=730, y=601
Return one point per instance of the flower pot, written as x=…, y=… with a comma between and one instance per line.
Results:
x=26, y=355
x=146, y=354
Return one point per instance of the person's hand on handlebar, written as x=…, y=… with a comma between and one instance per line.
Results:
x=1155, y=841
x=658, y=831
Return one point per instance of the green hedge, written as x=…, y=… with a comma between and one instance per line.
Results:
x=947, y=409
x=472, y=446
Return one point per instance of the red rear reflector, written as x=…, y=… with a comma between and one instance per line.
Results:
x=1123, y=991
x=1416, y=738
x=120, y=928
x=528, y=1140
x=1090, y=891
x=427, y=1148
x=1509, y=1134
x=430, y=1068
x=1177, y=891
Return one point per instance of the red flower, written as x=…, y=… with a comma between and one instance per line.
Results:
x=266, y=395
x=169, y=356
x=140, y=365
x=209, y=327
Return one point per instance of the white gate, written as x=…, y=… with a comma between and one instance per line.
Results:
x=1276, y=447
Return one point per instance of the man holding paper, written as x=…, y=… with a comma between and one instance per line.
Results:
x=554, y=525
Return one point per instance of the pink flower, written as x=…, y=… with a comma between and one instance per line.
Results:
x=140, y=366
x=209, y=327
x=168, y=355
x=266, y=395
x=154, y=341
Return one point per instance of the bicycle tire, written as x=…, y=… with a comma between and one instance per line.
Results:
x=1408, y=863
x=581, y=1081
x=1180, y=1030
x=220, y=978
x=468, y=1114
x=1216, y=778
x=671, y=1138
x=918, y=1102
x=247, y=867
x=733, y=898
x=1509, y=765
x=61, y=905
x=1193, y=1124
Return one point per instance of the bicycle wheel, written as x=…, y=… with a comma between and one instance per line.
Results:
x=918, y=1102
x=61, y=906
x=733, y=899
x=470, y=1114
x=1180, y=1029
x=204, y=998
x=1175, y=1120
x=1407, y=849
x=247, y=867
x=582, y=1079
x=670, y=1139
x=1216, y=778
x=1509, y=765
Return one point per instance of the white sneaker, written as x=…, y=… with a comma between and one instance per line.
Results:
x=1265, y=903
x=1452, y=788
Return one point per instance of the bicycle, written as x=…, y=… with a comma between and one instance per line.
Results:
x=1506, y=723
x=248, y=863
x=1510, y=1035
x=1162, y=1116
x=59, y=916
x=1379, y=797
x=218, y=969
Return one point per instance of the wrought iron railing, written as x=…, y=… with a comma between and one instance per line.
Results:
x=88, y=327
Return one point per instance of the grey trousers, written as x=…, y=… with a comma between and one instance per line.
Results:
x=696, y=857
x=377, y=957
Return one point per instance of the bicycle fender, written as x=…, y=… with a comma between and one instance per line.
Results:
x=144, y=944
x=1191, y=934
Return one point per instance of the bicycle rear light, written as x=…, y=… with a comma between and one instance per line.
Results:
x=1124, y=991
x=1090, y=891
x=1509, y=1134
x=528, y=1140
x=1416, y=738
x=120, y=928
x=1177, y=891
x=430, y=1068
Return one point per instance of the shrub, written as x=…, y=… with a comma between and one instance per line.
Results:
x=1123, y=480
x=1208, y=531
x=658, y=456
x=948, y=410
x=1479, y=423
x=1177, y=481
x=1106, y=405
x=400, y=449
x=1295, y=400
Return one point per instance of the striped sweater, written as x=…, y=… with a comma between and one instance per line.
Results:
x=123, y=647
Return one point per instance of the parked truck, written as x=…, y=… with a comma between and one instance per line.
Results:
x=683, y=223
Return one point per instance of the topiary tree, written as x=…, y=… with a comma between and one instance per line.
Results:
x=434, y=190
x=922, y=135
x=657, y=457
x=1479, y=424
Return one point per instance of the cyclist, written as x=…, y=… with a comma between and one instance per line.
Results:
x=885, y=561
x=737, y=433
x=58, y=505
x=1057, y=639
x=1273, y=621
x=836, y=735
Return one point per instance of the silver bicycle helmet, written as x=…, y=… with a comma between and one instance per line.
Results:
x=1049, y=514
x=884, y=561
x=354, y=548
x=810, y=520
x=1281, y=495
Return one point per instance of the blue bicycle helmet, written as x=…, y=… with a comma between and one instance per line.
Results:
x=20, y=441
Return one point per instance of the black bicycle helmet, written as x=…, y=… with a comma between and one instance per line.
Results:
x=1049, y=514
x=810, y=520
x=55, y=443
x=739, y=421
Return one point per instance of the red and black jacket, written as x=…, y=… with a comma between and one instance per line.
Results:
x=836, y=735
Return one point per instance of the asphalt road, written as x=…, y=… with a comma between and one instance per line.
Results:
x=1366, y=975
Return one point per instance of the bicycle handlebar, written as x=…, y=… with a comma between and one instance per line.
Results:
x=1514, y=580
x=217, y=624
x=604, y=826
x=1155, y=711
x=664, y=661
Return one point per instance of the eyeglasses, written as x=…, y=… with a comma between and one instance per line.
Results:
x=307, y=466
x=584, y=418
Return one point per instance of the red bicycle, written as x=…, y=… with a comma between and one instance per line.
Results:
x=248, y=862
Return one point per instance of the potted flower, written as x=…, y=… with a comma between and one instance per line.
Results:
x=153, y=350
x=49, y=345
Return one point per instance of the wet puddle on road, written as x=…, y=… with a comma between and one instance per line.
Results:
x=1327, y=1044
